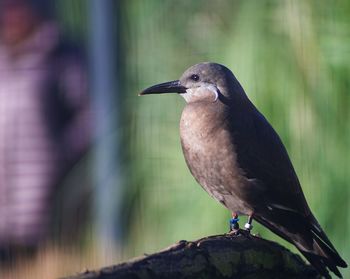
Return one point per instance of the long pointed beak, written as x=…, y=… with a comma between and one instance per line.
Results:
x=166, y=87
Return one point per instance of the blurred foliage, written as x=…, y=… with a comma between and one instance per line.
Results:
x=292, y=58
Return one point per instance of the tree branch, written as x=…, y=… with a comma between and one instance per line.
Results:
x=222, y=256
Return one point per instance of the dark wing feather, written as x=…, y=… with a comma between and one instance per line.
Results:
x=281, y=206
x=263, y=157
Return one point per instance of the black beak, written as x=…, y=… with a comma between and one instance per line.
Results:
x=166, y=87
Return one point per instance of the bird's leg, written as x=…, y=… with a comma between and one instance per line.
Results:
x=234, y=226
x=248, y=226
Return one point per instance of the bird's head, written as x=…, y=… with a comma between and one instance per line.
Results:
x=203, y=82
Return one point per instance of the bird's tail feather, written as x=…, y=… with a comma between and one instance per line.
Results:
x=320, y=252
x=324, y=253
x=325, y=245
x=320, y=259
x=318, y=264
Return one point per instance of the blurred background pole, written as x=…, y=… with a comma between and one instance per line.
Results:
x=104, y=86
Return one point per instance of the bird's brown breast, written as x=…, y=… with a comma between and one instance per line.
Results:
x=210, y=154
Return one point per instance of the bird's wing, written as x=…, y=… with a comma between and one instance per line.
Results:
x=281, y=205
x=263, y=157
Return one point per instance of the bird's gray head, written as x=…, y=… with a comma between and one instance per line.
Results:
x=203, y=82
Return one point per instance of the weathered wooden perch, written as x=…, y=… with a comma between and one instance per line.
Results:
x=221, y=256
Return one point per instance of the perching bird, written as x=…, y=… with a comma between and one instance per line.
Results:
x=238, y=158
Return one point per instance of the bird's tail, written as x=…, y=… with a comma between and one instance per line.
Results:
x=314, y=245
x=322, y=253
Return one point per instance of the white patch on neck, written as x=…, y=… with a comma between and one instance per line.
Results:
x=201, y=93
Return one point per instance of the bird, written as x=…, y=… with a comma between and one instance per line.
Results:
x=234, y=153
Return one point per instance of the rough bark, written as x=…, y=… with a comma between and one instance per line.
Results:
x=222, y=256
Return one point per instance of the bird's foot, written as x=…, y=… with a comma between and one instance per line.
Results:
x=247, y=230
x=240, y=232
x=234, y=232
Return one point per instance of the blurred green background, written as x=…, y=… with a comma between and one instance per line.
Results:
x=293, y=60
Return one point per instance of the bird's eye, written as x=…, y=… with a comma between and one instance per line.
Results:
x=195, y=77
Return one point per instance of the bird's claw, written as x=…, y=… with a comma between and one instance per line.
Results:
x=234, y=232
x=239, y=232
